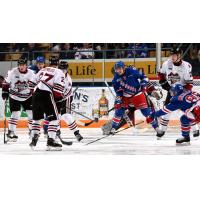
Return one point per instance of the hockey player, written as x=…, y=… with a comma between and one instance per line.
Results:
x=154, y=94
x=65, y=104
x=130, y=86
x=18, y=87
x=175, y=70
x=53, y=62
x=186, y=101
x=40, y=64
x=49, y=90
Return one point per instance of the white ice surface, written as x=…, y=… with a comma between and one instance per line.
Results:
x=129, y=142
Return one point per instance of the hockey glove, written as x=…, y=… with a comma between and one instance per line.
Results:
x=5, y=95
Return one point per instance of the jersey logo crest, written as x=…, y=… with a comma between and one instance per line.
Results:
x=174, y=77
x=20, y=86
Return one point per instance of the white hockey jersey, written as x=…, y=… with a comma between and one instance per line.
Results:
x=68, y=86
x=20, y=84
x=51, y=79
x=177, y=74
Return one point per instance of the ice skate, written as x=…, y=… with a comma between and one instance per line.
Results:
x=52, y=145
x=34, y=141
x=183, y=141
x=196, y=134
x=11, y=137
x=160, y=134
x=112, y=132
x=78, y=136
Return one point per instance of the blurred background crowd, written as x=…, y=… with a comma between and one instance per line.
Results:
x=13, y=51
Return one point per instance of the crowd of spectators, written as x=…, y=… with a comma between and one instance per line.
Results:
x=77, y=50
x=12, y=51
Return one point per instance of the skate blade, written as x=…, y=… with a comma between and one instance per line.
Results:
x=80, y=140
x=196, y=137
x=183, y=144
x=11, y=140
x=159, y=138
x=53, y=148
x=32, y=147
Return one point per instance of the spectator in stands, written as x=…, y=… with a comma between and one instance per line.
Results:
x=14, y=47
x=30, y=48
x=85, y=52
x=140, y=50
x=99, y=47
x=56, y=48
x=196, y=65
x=120, y=52
x=66, y=52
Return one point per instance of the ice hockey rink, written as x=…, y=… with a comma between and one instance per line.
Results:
x=132, y=141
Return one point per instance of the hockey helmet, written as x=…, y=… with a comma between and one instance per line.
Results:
x=53, y=61
x=22, y=61
x=176, y=89
x=119, y=64
x=40, y=59
x=175, y=50
x=63, y=65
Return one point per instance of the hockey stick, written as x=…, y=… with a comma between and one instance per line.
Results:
x=64, y=142
x=126, y=117
x=93, y=141
x=82, y=123
x=4, y=134
x=59, y=137
x=130, y=126
x=77, y=113
x=109, y=88
x=96, y=119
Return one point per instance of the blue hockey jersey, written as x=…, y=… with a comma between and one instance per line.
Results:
x=34, y=68
x=130, y=83
x=183, y=102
